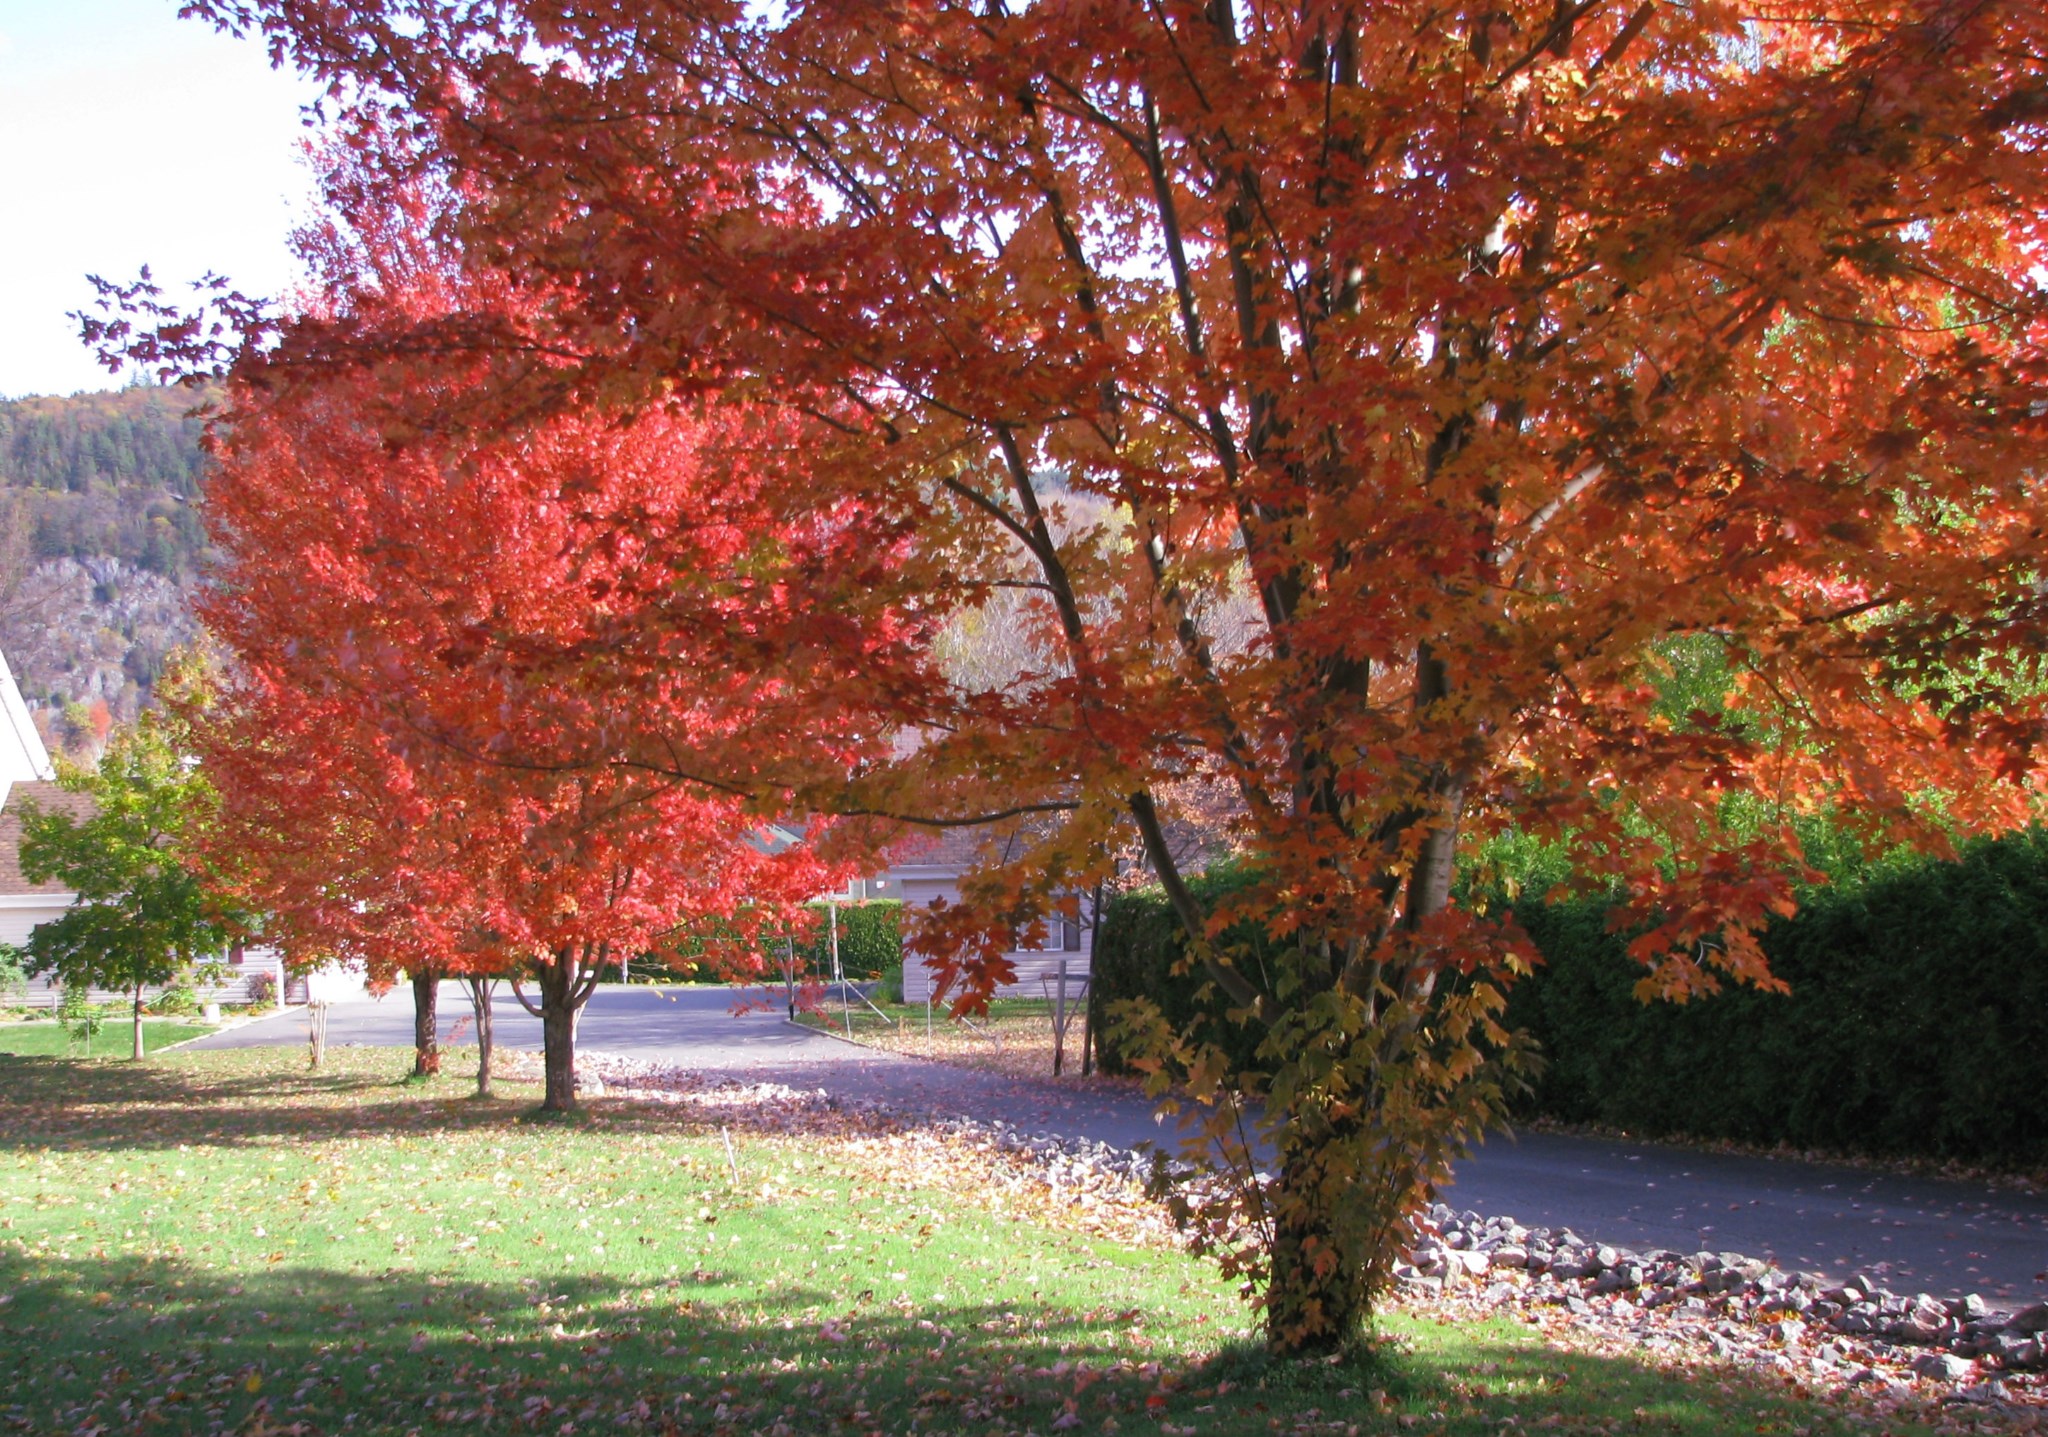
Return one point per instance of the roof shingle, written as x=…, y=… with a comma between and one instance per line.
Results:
x=50, y=798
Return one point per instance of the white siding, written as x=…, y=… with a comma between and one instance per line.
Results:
x=233, y=987
x=1032, y=965
x=21, y=915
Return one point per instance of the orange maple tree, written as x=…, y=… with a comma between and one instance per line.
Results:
x=1484, y=351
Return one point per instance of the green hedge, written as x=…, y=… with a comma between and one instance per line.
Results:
x=870, y=939
x=870, y=944
x=1917, y=1022
x=1137, y=946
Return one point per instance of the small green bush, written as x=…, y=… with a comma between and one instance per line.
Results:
x=175, y=1002
x=13, y=974
x=81, y=1017
x=870, y=939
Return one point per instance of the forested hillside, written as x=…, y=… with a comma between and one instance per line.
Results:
x=100, y=543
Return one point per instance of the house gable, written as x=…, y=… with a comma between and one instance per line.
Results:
x=23, y=759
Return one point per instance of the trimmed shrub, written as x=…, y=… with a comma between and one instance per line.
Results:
x=1138, y=948
x=1917, y=1023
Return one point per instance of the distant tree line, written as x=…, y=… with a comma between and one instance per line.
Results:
x=140, y=438
x=107, y=475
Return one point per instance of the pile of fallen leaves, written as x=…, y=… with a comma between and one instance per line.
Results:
x=1016, y=1043
x=1065, y=1189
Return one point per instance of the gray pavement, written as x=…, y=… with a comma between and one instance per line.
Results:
x=1941, y=1236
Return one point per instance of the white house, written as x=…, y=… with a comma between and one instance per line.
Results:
x=929, y=866
x=25, y=773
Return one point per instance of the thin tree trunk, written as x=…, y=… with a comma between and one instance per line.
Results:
x=316, y=1032
x=480, y=1001
x=138, y=1020
x=426, y=1036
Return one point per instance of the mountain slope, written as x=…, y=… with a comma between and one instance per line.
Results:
x=100, y=546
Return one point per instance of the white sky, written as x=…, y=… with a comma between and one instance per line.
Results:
x=130, y=137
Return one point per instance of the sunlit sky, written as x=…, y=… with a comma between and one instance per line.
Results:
x=131, y=137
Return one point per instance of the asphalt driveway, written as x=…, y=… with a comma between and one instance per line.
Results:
x=1914, y=1234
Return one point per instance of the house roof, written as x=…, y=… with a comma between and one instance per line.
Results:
x=954, y=848
x=50, y=798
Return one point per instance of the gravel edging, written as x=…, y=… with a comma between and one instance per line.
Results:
x=1739, y=1308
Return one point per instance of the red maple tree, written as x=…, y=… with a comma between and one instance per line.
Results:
x=1494, y=354
x=437, y=636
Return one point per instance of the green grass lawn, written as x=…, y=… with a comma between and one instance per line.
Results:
x=115, y=1038
x=223, y=1242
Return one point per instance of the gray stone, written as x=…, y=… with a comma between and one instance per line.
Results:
x=1944, y=1366
x=1912, y=1328
x=1465, y=1264
x=1985, y=1392
x=2030, y=1319
x=1790, y=1299
x=1625, y=1278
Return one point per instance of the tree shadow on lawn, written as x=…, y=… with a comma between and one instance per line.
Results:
x=64, y=1102
x=113, y=1345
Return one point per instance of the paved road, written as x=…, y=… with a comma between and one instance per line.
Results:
x=1916, y=1234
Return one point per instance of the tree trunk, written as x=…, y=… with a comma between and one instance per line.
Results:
x=138, y=1020
x=558, y=1033
x=426, y=1036
x=480, y=1001
x=1316, y=1299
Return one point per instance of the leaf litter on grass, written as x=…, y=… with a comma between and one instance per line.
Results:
x=228, y=1246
